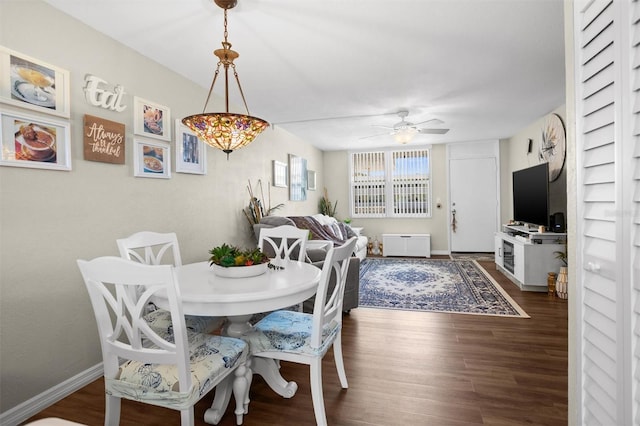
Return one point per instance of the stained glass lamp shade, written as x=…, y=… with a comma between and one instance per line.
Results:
x=226, y=131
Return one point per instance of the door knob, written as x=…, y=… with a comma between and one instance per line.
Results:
x=593, y=267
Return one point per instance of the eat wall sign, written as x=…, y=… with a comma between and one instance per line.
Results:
x=98, y=93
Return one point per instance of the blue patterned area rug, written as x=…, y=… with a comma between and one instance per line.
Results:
x=434, y=285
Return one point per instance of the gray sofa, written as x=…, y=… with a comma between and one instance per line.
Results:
x=316, y=257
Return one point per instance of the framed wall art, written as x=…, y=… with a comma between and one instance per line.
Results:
x=151, y=120
x=311, y=180
x=33, y=141
x=279, y=174
x=297, y=178
x=151, y=159
x=29, y=83
x=103, y=140
x=191, y=152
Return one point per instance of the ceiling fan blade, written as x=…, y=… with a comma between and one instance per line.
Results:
x=431, y=121
x=383, y=127
x=344, y=117
x=433, y=131
x=374, y=136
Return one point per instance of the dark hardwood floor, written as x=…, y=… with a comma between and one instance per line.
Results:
x=406, y=368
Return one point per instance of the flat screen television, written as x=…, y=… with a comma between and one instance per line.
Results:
x=531, y=195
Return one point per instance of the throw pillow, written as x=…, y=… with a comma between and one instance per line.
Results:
x=276, y=221
x=324, y=219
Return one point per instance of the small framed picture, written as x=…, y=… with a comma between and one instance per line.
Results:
x=279, y=174
x=311, y=180
x=33, y=141
x=29, y=83
x=151, y=120
x=297, y=178
x=191, y=152
x=151, y=159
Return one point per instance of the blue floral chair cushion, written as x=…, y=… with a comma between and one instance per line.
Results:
x=211, y=357
x=288, y=331
x=160, y=320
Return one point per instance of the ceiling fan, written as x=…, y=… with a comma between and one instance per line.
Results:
x=404, y=131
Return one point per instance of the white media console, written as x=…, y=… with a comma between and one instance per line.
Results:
x=526, y=256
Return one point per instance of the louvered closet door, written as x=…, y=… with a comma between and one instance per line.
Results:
x=608, y=198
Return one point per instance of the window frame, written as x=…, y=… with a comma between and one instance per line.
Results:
x=388, y=183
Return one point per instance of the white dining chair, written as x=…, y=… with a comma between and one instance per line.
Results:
x=180, y=367
x=284, y=242
x=156, y=248
x=305, y=338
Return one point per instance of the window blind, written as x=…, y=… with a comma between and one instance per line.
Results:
x=390, y=183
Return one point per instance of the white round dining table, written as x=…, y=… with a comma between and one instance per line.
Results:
x=206, y=294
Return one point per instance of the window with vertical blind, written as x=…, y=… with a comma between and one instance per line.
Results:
x=390, y=183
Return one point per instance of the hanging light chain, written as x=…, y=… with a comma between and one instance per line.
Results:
x=226, y=33
x=240, y=88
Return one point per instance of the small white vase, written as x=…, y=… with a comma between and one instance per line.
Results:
x=561, y=283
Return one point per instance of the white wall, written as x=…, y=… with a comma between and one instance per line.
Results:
x=514, y=156
x=336, y=165
x=48, y=219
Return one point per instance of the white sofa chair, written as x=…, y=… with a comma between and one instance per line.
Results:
x=360, y=250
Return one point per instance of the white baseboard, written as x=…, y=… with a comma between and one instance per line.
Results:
x=440, y=252
x=33, y=406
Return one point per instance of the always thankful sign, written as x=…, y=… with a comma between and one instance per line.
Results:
x=103, y=140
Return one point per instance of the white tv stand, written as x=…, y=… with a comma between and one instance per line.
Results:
x=525, y=255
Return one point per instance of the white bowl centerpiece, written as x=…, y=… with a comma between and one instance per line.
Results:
x=230, y=261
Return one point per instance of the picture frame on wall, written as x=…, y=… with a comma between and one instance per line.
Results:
x=297, y=178
x=191, y=152
x=151, y=119
x=32, y=84
x=34, y=141
x=103, y=140
x=311, y=180
x=279, y=173
x=151, y=159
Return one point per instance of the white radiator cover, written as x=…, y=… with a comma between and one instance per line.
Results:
x=409, y=245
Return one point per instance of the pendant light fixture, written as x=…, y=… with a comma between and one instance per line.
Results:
x=226, y=131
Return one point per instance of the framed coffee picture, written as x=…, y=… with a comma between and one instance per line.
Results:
x=151, y=119
x=151, y=159
x=34, y=141
x=29, y=83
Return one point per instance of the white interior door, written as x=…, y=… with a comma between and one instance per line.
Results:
x=473, y=203
x=605, y=290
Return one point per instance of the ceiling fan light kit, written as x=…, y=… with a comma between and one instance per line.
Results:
x=404, y=131
x=405, y=134
x=224, y=130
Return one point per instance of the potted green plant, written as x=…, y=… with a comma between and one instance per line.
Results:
x=256, y=210
x=562, y=255
x=325, y=206
x=233, y=262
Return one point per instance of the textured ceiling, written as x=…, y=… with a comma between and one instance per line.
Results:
x=316, y=67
